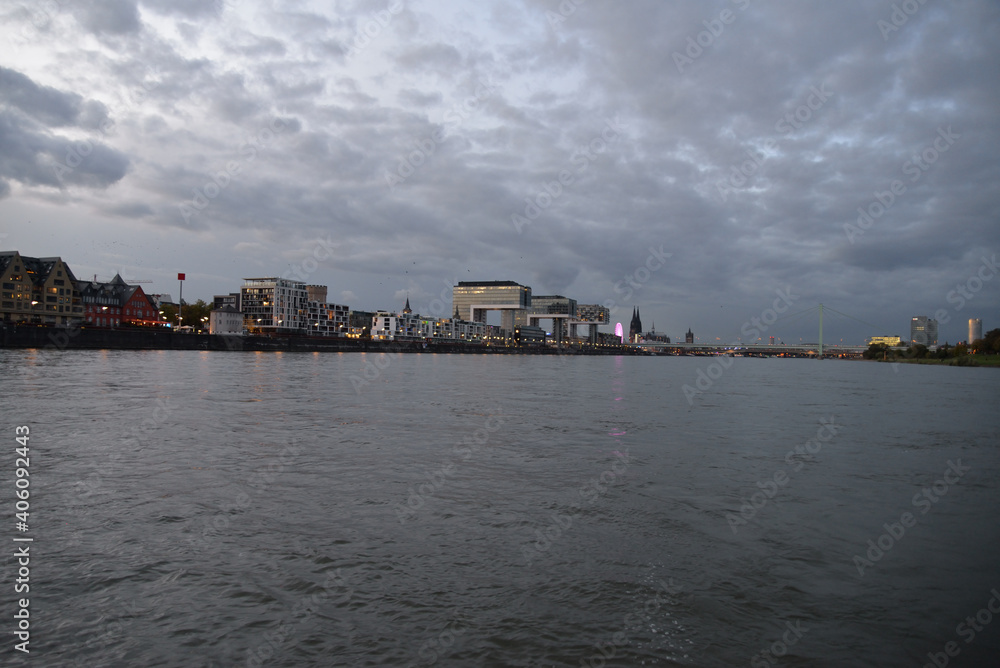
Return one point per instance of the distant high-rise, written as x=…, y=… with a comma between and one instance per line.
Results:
x=689, y=337
x=975, y=329
x=924, y=330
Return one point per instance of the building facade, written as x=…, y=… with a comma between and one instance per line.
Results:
x=592, y=316
x=38, y=291
x=273, y=305
x=924, y=331
x=975, y=329
x=593, y=313
x=557, y=308
x=689, y=337
x=409, y=326
x=529, y=335
x=359, y=324
x=218, y=301
x=473, y=299
x=324, y=319
x=225, y=320
x=885, y=341
x=116, y=303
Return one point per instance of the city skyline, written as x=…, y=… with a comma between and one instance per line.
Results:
x=650, y=155
x=761, y=326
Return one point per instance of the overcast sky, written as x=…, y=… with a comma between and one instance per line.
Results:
x=692, y=158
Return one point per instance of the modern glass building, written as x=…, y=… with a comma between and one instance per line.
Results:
x=472, y=300
x=557, y=308
x=924, y=330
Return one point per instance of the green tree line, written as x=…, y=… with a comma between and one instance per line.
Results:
x=195, y=315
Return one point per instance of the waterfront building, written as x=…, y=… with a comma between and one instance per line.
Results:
x=218, y=301
x=886, y=340
x=975, y=329
x=608, y=339
x=924, y=330
x=473, y=299
x=281, y=305
x=273, y=305
x=225, y=320
x=387, y=326
x=409, y=326
x=529, y=335
x=460, y=330
x=359, y=323
x=324, y=319
x=689, y=337
x=557, y=308
x=591, y=315
x=117, y=303
x=38, y=290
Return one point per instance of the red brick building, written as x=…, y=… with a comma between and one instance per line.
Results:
x=117, y=303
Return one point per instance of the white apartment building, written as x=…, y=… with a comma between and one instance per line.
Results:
x=323, y=319
x=272, y=305
x=388, y=326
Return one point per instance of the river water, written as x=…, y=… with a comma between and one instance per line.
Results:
x=298, y=509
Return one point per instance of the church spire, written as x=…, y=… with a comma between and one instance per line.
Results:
x=407, y=309
x=635, y=327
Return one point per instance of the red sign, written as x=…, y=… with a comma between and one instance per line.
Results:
x=180, y=277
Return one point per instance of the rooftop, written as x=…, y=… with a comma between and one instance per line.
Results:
x=472, y=284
